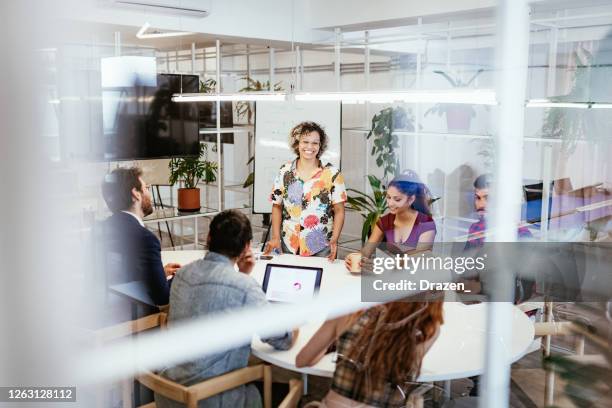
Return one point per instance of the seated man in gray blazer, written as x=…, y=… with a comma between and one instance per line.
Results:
x=213, y=285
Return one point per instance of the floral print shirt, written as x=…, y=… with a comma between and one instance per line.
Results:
x=308, y=214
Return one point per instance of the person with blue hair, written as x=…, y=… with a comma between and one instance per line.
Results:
x=408, y=226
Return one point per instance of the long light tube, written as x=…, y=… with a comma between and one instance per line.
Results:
x=467, y=96
x=475, y=97
x=547, y=103
x=201, y=97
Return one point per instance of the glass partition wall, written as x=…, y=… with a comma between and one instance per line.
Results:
x=564, y=190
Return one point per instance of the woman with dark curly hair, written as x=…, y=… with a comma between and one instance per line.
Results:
x=308, y=198
x=380, y=351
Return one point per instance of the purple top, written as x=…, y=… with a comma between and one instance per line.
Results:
x=422, y=224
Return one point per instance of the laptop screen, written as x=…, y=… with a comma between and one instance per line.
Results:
x=288, y=283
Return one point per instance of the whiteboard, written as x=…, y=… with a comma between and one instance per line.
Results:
x=273, y=121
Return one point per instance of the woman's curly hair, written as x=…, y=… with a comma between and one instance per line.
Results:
x=390, y=346
x=305, y=128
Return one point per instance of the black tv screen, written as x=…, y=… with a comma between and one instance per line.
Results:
x=147, y=124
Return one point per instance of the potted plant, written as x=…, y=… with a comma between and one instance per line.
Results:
x=458, y=116
x=384, y=146
x=371, y=208
x=208, y=86
x=385, y=143
x=190, y=170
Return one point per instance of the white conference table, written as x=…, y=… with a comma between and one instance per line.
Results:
x=459, y=351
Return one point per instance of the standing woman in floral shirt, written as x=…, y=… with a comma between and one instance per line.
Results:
x=308, y=198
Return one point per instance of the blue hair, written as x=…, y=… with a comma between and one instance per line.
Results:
x=416, y=189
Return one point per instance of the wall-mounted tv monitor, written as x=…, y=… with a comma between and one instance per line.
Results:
x=142, y=121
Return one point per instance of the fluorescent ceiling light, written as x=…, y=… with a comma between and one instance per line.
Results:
x=466, y=96
x=143, y=35
x=191, y=8
x=546, y=103
x=242, y=96
x=476, y=97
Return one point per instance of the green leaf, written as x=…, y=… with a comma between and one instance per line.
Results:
x=454, y=83
x=375, y=183
x=367, y=225
x=362, y=205
x=480, y=71
x=191, y=169
x=250, y=180
x=363, y=196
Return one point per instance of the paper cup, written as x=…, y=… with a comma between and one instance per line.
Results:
x=355, y=259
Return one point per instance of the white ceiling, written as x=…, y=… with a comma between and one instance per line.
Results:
x=278, y=23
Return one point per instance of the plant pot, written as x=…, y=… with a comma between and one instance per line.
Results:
x=458, y=118
x=189, y=199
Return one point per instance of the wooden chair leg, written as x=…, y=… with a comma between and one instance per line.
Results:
x=191, y=402
x=267, y=379
x=293, y=397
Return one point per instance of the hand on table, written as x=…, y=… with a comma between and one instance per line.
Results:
x=171, y=268
x=246, y=262
x=273, y=244
x=349, y=265
x=294, y=335
x=333, y=250
x=367, y=265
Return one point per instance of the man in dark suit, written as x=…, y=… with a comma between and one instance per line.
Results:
x=134, y=252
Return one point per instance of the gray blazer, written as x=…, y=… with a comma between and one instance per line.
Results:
x=204, y=287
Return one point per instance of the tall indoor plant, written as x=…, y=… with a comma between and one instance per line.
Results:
x=384, y=146
x=458, y=116
x=385, y=142
x=190, y=170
